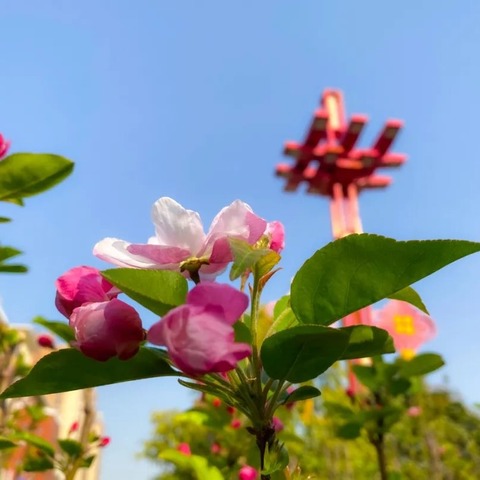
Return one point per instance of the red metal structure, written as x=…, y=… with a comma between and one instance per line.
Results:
x=330, y=164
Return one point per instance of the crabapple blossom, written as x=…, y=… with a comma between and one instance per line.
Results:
x=107, y=329
x=275, y=231
x=81, y=285
x=180, y=242
x=199, y=335
x=247, y=473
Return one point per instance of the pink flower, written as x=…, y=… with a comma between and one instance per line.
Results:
x=82, y=285
x=414, y=411
x=235, y=423
x=4, y=146
x=74, y=427
x=184, y=448
x=107, y=329
x=276, y=233
x=104, y=441
x=215, y=448
x=277, y=424
x=199, y=335
x=247, y=473
x=180, y=242
x=409, y=327
x=46, y=341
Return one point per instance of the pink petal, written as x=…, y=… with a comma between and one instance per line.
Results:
x=238, y=221
x=276, y=233
x=115, y=251
x=166, y=257
x=177, y=227
x=229, y=302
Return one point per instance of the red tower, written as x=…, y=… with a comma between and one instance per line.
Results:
x=329, y=163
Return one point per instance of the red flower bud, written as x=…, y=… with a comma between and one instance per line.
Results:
x=46, y=341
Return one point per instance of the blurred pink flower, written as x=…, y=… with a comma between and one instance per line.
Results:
x=4, y=146
x=215, y=448
x=199, y=335
x=46, y=341
x=184, y=448
x=276, y=233
x=236, y=423
x=180, y=242
x=414, y=411
x=107, y=329
x=73, y=427
x=104, y=441
x=277, y=424
x=409, y=327
x=247, y=473
x=81, y=285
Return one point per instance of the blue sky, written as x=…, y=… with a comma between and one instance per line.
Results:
x=194, y=100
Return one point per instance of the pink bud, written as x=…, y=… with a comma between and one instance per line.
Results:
x=4, y=146
x=104, y=441
x=107, y=329
x=414, y=411
x=247, y=473
x=74, y=427
x=216, y=402
x=276, y=233
x=215, y=448
x=199, y=335
x=235, y=423
x=277, y=424
x=81, y=285
x=46, y=341
x=184, y=448
x=231, y=410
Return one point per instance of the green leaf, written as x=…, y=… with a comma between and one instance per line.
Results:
x=358, y=270
x=242, y=333
x=13, y=268
x=398, y=386
x=193, y=463
x=285, y=320
x=366, y=341
x=366, y=376
x=408, y=294
x=37, y=464
x=60, y=329
x=157, y=290
x=303, y=352
x=421, y=365
x=245, y=256
x=35, y=441
x=5, y=219
x=276, y=459
x=26, y=174
x=71, y=447
x=280, y=305
x=302, y=393
x=6, y=443
x=339, y=410
x=68, y=369
x=266, y=263
x=8, y=252
x=15, y=201
x=349, y=430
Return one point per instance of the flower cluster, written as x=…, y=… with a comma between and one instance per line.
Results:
x=198, y=335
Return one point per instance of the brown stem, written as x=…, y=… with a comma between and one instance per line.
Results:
x=379, y=445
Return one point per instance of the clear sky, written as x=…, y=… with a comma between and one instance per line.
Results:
x=194, y=100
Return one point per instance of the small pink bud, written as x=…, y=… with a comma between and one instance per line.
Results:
x=46, y=341
x=277, y=424
x=74, y=427
x=414, y=411
x=104, y=441
x=216, y=402
x=184, y=448
x=350, y=392
x=231, y=410
x=215, y=448
x=247, y=473
x=276, y=233
x=4, y=146
x=235, y=423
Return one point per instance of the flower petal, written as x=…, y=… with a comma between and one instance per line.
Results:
x=165, y=257
x=115, y=251
x=238, y=221
x=229, y=302
x=176, y=226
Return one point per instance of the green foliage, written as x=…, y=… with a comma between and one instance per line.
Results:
x=358, y=270
x=421, y=364
x=157, y=290
x=68, y=369
x=26, y=174
x=365, y=341
x=408, y=294
x=61, y=329
x=302, y=352
x=302, y=393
